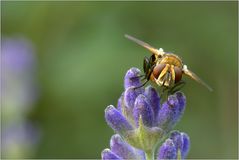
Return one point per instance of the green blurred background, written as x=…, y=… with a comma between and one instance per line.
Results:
x=83, y=56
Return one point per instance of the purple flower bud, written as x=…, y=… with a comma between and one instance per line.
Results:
x=120, y=102
x=123, y=149
x=167, y=150
x=116, y=120
x=180, y=142
x=171, y=112
x=186, y=145
x=182, y=100
x=129, y=97
x=131, y=78
x=107, y=154
x=180, y=107
x=165, y=116
x=153, y=98
x=143, y=109
x=177, y=139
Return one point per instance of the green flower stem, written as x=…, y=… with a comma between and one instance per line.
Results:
x=149, y=155
x=179, y=157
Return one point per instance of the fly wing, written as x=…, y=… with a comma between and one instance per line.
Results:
x=196, y=78
x=145, y=45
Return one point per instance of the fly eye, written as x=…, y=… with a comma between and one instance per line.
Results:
x=158, y=69
x=178, y=74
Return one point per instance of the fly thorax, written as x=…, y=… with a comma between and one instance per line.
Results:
x=171, y=59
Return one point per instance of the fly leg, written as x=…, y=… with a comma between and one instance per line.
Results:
x=147, y=77
x=165, y=89
x=141, y=85
x=178, y=86
x=140, y=76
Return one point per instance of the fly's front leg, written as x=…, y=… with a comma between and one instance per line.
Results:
x=146, y=76
x=140, y=76
x=178, y=86
x=164, y=89
x=141, y=85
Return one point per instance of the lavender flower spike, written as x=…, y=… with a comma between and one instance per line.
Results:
x=142, y=122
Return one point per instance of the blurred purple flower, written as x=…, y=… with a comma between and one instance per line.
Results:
x=18, y=139
x=18, y=55
x=19, y=93
x=18, y=78
x=139, y=117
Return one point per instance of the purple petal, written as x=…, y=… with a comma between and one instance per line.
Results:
x=177, y=139
x=165, y=117
x=167, y=150
x=170, y=113
x=116, y=120
x=179, y=107
x=143, y=109
x=129, y=97
x=186, y=145
x=123, y=149
x=182, y=100
x=107, y=154
x=181, y=142
x=153, y=98
x=131, y=78
x=120, y=102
